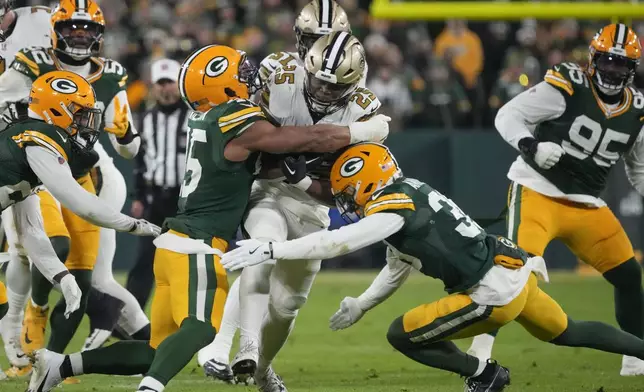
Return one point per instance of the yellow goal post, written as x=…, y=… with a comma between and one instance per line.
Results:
x=502, y=10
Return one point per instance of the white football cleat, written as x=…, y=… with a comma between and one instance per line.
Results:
x=10, y=328
x=632, y=366
x=244, y=364
x=269, y=381
x=46, y=375
x=481, y=347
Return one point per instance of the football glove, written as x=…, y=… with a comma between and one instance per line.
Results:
x=544, y=154
x=294, y=169
x=72, y=294
x=349, y=313
x=375, y=129
x=250, y=252
x=144, y=228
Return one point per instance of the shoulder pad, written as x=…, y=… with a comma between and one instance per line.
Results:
x=113, y=69
x=49, y=137
x=364, y=103
x=566, y=77
x=33, y=62
x=391, y=198
x=236, y=114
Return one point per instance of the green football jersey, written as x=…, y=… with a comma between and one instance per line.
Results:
x=16, y=177
x=447, y=244
x=108, y=78
x=215, y=191
x=593, y=135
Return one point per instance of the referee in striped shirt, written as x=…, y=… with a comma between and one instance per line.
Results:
x=160, y=167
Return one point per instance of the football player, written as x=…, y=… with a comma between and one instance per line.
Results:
x=317, y=18
x=570, y=130
x=227, y=132
x=490, y=280
x=27, y=26
x=61, y=126
x=77, y=36
x=324, y=90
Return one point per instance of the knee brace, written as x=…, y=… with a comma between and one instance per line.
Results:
x=61, y=247
x=626, y=276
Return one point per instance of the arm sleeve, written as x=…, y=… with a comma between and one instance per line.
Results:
x=392, y=276
x=120, y=126
x=41, y=253
x=634, y=163
x=328, y=244
x=58, y=180
x=14, y=87
x=518, y=118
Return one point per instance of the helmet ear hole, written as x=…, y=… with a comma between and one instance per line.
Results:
x=56, y=113
x=368, y=188
x=230, y=92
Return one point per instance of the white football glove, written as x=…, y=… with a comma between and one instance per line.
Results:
x=348, y=314
x=145, y=229
x=72, y=294
x=548, y=154
x=375, y=129
x=250, y=252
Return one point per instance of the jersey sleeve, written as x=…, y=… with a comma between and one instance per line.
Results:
x=114, y=70
x=51, y=139
x=274, y=61
x=30, y=61
x=558, y=77
x=238, y=116
x=392, y=199
x=364, y=104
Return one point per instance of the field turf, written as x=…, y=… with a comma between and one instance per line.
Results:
x=360, y=359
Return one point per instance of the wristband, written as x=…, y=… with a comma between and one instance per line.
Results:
x=304, y=183
x=528, y=146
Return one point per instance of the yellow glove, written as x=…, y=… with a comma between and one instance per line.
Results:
x=120, y=121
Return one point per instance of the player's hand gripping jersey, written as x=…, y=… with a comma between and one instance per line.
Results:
x=567, y=111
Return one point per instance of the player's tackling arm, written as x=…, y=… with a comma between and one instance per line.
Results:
x=58, y=180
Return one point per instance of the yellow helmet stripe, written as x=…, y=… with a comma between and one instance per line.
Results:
x=184, y=70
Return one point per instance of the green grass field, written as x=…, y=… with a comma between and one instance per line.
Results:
x=360, y=359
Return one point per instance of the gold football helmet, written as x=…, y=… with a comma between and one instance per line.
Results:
x=318, y=18
x=358, y=173
x=613, y=57
x=215, y=74
x=77, y=28
x=68, y=101
x=334, y=65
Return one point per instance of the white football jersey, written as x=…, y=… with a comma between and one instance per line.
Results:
x=290, y=59
x=33, y=28
x=283, y=99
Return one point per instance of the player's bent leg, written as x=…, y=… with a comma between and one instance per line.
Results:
x=18, y=278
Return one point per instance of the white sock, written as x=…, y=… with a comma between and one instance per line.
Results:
x=76, y=360
x=253, y=297
x=219, y=349
x=479, y=370
x=482, y=347
x=17, y=303
x=274, y=333
x=18, y=286
x=151, y=383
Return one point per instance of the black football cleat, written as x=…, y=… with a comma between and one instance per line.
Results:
x=493, y=379
x=219, y=371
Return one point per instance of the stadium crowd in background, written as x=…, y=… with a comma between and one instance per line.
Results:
x=428, y=75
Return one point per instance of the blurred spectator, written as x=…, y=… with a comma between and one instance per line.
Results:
x=448, y=104
x=462, y=48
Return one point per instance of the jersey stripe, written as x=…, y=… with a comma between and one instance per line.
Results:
x=555, y=79
x=41, y=140
x=35, y=69
x=240, y=121
x=395, y=201
x=226, y=120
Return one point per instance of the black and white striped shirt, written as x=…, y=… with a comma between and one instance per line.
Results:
x=163, y=160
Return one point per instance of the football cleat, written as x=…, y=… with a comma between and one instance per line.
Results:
x=18, y=372
x=46, y=375
x=218, y=370
x=632, y=366
x=269, y=381
x=10, y=330
x=244, y=364
x=493, y=379
x=96, y=339
x=33, y=328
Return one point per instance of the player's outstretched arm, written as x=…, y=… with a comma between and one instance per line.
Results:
x=390, y=278
x=264, y=136
x=320, y=245
x=55, y=174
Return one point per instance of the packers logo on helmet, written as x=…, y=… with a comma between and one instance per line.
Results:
x=68, y=101
x=215, y=74
x=614, y=55
x=360, y=171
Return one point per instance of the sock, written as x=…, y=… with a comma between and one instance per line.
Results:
x=41, y=288
x=219, y=349
x=4, y=308
x=150, y=384
x=441, y=355
x=142, y=334
x=62, y=329
x=17, y=303
x=275, y=330
x=18, y=285
x=254, y=288
x=176, y=351
x=629, y=298
x=481, y=346
x=123, y=358
x=600, y=336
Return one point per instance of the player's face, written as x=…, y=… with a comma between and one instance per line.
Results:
x=326, y=92
x=614, y=69
x=79, y=34
x=166, y=92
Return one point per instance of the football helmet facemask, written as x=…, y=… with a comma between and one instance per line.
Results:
x=614, y=55
x=318, y=18
x=78, y=27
